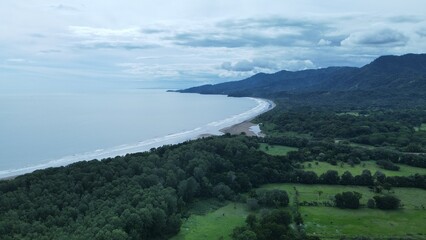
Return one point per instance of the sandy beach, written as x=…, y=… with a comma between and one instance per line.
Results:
x=242, y=128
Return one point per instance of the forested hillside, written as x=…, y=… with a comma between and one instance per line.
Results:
x=391, y=74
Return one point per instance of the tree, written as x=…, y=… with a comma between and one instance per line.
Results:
x=380, y=177
x=347, y=200
x=188, y=188
x=308, y=177
x=330, y=177
x=252, y=204
x=365, y=179
x=371, y=203
x=274, y=198
x=222, y=192
x=251, y=221
x=387, y=202
x=347, y=178
x=272, y=225
x=387, y=165
x=245, y=235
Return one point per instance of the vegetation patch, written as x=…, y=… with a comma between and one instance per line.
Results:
x=411, y=198
x=205, y=206
x=322, y=167
x=333, y=223
x=276, y=150
x=217, y=224
x=355, y=114
x=272, y=130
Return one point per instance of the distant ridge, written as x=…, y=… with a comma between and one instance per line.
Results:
x=405, y=73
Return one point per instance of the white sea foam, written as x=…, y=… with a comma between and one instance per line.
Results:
x=210, y=128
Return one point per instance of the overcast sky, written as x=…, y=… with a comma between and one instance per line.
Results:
x=179, y=43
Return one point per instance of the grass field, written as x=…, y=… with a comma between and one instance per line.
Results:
x=421, y=128
x=331, y=223
x=355, y=114
x=270, y=130
x=214, y=220
x=276, y=150
x=217, y=224
x=323, y=167
x=410, y=197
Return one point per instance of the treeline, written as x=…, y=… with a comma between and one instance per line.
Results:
x=329, y=151
x=376, y=127
x=351, y=200
x=332, y=177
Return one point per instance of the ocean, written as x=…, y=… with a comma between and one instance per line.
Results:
x=52, y=129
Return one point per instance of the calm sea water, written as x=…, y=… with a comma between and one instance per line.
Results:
x=37, y=129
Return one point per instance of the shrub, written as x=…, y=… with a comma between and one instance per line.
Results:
x=348, y=200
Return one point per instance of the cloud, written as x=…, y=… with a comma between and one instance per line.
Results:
x=247, y=66
x=114, y=45
x=153, y=30
x=15, y=60
x=84, y=31
x=267, y=65
x=37, y=35
x=324, y=42
x=205, y=41
x=421, y=32
x=387, y=37
x=62, y=7
x=254, y=32
x=295, y=65
x=108, y=38
x=405, y=19
x=50, y=51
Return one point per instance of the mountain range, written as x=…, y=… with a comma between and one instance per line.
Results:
x=390, y=74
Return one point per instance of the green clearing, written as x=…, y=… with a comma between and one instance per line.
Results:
x=352, y=144
x=276, y=150
x=217, y=224
x=355, y=114
x=370, y=147
x=357, y=169
x=412, y=198
x=421, y=128
x=213, y=220
x=330, y=223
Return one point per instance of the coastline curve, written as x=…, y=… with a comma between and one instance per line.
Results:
x=213, y=128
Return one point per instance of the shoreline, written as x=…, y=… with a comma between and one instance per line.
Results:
x=237, y=123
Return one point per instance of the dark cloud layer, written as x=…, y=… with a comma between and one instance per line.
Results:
x=255, y=33
x=378, y=37
x=405, y=19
